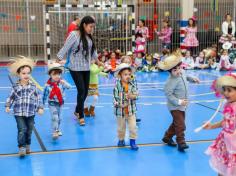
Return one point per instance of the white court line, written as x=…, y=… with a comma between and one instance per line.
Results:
x=144, y=96
x=145, y=103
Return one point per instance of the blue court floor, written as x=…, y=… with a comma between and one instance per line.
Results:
x=91, y=150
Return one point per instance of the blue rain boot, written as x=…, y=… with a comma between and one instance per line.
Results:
x=133, y=145
x=121, y=143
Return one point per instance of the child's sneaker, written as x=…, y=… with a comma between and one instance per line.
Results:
x=121, y=143
x=22, y=151
x=27, y=149
x=133, y=145
x=55, y=135
x=59, y=133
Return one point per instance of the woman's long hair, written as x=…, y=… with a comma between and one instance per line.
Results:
x=86, y=20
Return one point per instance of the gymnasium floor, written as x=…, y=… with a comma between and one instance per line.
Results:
x=91, y=150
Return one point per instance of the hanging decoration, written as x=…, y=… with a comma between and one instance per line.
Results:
x=178, y=9
x=20, y=29
x=18, y=17
x=217, y=29
x=3, y=15
x=155, y=16
x=6, y=28
x=32, y=17
x=218, y=18
x=34, y=29
x=143, y=18
x=155, y=26
x=167, y=13
x=206, y=26
x=206, y=14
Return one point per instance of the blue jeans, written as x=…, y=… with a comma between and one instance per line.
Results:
x=55, y=111
x=25, y=127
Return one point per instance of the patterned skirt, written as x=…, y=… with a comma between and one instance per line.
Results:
x=224, y=39
x=93, y=90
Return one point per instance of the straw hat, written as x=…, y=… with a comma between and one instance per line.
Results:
x=227, y=45
x=122, y=67
x=149, y=57
x=171, y=61
x=54, y=66
x=209, y=52
x=129, y=53
x=19, y=62
x=156, y=56
x=226, y=80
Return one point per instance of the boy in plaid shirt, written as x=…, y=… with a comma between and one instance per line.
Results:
x=26, y=101
x=125, y=95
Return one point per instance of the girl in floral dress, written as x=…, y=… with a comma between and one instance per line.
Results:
x=191, y=41
x=223, y=149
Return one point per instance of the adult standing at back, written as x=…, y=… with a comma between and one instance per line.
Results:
x=83, y=50
x=73, y=25
x=228, y=30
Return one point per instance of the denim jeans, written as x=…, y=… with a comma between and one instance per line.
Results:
x=55, y=111
x=25, y=127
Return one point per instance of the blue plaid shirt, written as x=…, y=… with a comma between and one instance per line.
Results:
x=120, y=98
x=54, y=100
x=26, y=100
x=78, y=62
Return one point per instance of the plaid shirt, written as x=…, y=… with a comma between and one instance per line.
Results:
x=54, y=100
x=26, y=100
x=78, y=62
x=120, y=99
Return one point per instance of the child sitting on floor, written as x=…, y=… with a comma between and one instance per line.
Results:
x=187, y=61
x=200, y=62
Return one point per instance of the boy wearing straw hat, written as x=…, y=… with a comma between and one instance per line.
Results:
x=53, y=91
x=26, y=101
x=176, y=91
x=125, y=95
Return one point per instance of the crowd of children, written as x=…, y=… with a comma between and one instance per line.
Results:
x=26, y=102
